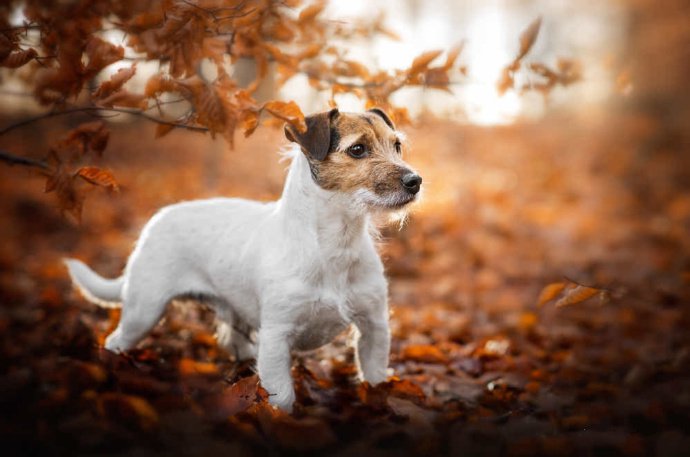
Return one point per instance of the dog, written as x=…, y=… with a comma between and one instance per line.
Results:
x=296, y=271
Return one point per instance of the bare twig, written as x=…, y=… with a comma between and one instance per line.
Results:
x=89, y=109
x=12, y=159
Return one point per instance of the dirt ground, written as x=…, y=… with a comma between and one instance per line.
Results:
x=481, y=367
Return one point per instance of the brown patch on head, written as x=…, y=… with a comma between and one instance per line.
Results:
x=377, y=172
x=317, y=140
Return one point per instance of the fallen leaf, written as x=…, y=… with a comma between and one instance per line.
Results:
x=577, y=295
x=425, y=353
x=549, y=292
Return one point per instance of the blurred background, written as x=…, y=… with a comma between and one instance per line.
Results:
x=590, y=182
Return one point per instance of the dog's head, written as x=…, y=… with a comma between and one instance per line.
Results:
x=359, y=154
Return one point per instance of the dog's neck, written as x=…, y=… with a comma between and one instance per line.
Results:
x=330, y=218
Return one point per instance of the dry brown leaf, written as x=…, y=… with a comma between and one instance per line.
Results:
x=577, y=295
x=549, y=292
x=129, y=409
x=404, y=388
x=163, y=129
x=211, y=110
x=310, y=12
x=453, y=55
x=115, y=82
x=505, y=82
x=528, y=37
x=422, y=61
x=424, y=353
x=18, y=58
x=289, y=112
x=100, y=54
x=98, y=177
x=189, y=367
x=87, y=136
x=235, y=399
x=250, y=121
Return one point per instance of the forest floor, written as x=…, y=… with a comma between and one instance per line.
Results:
x=481, y=365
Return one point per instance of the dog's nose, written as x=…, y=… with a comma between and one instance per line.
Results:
x=411, y=182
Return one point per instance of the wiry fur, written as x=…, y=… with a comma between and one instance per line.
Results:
x=297, y=272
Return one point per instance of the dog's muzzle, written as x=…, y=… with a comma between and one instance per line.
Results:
x=411, y=182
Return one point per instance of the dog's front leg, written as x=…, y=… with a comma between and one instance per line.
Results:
x=373, y=347
x=274, y=365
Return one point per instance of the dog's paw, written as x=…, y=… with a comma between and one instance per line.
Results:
x=283, y=400
x=374, y=377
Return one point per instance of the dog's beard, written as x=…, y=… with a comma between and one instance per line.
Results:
x=393, y=202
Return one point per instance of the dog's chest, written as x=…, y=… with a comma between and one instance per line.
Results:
x=327, y=313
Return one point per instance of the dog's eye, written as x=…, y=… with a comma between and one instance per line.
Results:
x=398, y=147
x=357, y=151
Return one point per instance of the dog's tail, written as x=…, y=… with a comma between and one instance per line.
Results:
x=95, y=288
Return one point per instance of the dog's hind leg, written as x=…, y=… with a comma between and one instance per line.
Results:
x=142, y=308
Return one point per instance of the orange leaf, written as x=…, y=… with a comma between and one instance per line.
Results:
x=101, y=53
x=250, y=121
x=123, y=408
x=505, y=82
x=236, y=398
x=577, y=295
x=211, y=111
x=528, y=37
x=18, y=58
x=163, y=129
x=98, y=177
x=550, y=292
x=453, y=55
x=115, y=82
x=403, y=388
x=189, y=367
x=425, y=353
x=289, y=112
x=310, y=12
x=422, y=61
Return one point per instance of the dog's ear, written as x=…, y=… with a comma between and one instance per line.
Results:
x=383, y=116
x=316, y=141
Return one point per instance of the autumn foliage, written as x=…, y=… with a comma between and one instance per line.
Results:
x=539, y=292
x=63, y=50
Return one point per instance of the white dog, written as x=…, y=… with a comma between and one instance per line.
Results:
x=297, y=271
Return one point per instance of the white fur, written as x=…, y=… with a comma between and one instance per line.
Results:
x=297, y=271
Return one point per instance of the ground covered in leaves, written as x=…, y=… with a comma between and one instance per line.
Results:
x=495, y=351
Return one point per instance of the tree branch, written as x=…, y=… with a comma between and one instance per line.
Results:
x=16, y=160
x=87, y=109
